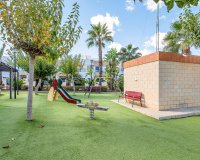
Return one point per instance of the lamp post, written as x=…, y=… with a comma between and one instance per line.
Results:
x=15, y=71
x=158, y=28
x=11, y=71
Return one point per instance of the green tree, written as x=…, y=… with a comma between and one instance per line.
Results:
x=112, y=69
x=43, y=67
x=176, y=40
x=99, y=35
x=191, y=26
x=71, y=65
x=35, y=27
x=128, y=53
x=180, y=3
x=184, y=33
x=120, y=83
x=90, y=79
x=19, y=82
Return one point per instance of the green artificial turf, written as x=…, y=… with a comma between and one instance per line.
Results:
x=69, y=134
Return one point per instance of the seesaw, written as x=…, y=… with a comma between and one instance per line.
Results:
x=91, y=106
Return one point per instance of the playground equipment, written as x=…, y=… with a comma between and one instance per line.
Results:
x=56, y=87
x=91, y=106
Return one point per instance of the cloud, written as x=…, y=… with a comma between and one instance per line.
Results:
x=162, y=17
x=175, y=19
x=151, y=42
x=115, y=45
x=130, y=5
x=110, y=21
x=152, y=6
x=145, y=51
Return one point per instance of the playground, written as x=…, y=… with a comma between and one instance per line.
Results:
x=63, y=131
x=99, y=80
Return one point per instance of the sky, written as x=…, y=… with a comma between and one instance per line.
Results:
x=128, y=22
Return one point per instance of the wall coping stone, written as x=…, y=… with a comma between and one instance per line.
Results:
x=162, y=56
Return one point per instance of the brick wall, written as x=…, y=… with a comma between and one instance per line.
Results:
x=144, y=78
x=167, y=80
x=179, y=85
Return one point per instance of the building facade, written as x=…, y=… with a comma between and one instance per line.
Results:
x=88, y=63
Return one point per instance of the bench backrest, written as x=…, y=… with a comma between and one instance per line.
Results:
x=133, y=93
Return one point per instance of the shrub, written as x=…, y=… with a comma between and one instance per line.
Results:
x=82, y=88
x=121, y=83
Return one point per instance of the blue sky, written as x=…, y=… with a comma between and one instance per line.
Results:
x=130, y=23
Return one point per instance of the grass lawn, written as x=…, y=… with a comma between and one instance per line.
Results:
x=69, y=134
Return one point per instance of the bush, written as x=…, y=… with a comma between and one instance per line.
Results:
x=121, y=83
x=19, y=83
x=24, y=87
x=78, y=80
x=82, y=88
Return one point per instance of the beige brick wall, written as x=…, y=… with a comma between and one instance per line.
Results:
x=179, y=85
x=144, y=78
x=164, y=84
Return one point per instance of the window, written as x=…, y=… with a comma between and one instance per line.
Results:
x=97, y=69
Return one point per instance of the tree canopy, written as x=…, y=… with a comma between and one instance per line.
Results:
x=180, y=3
x=99, y=35
x=43, y=66
x=191, y=26
x=128, y=53
x=184, y=33
x=112, y=69
x=71, y=65
x=35, y=26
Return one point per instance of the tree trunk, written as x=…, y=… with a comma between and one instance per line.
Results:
x=73, y=84
x=30, y=88
x=38, y=85
x=100, y=64
x=0, y=78
x=186, y=51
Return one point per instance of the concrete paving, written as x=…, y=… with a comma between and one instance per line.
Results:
x=161, y=115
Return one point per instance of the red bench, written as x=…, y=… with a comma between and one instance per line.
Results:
x=132, y=95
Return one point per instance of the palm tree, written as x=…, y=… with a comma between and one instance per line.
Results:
x=112, y=69
x=128, y=53
x=176, y=40
x=99, y=35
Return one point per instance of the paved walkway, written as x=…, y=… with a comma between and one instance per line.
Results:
x=161, y=115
